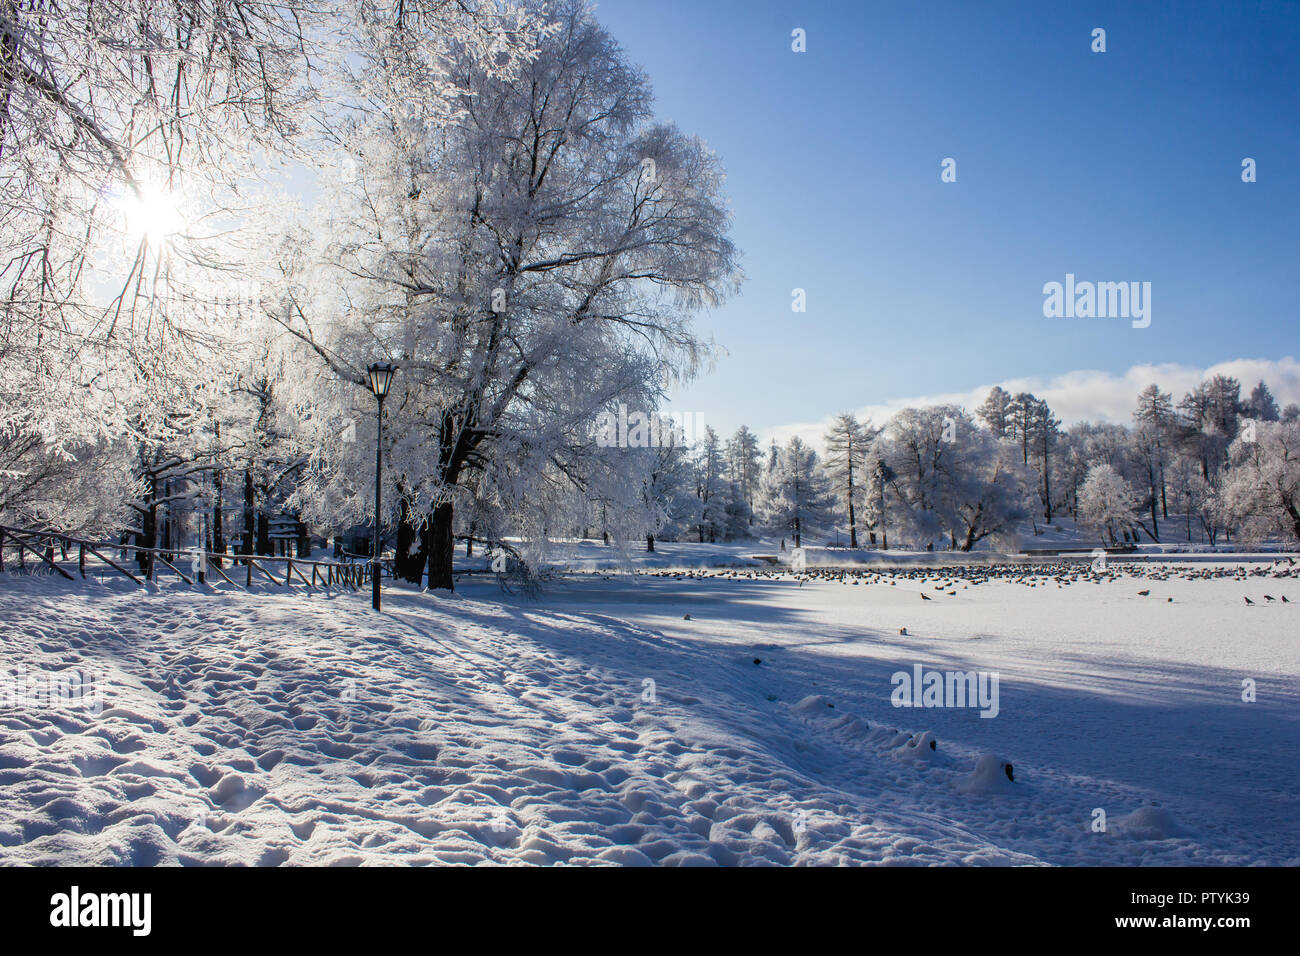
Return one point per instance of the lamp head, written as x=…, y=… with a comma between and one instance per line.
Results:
x=381, y=378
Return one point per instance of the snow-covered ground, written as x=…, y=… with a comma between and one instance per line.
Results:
x=731, y=717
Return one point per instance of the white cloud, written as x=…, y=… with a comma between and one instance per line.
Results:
x=1085, y=395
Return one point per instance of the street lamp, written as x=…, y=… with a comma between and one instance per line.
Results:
x=381, y=379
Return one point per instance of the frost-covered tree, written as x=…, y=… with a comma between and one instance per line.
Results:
x=996, y=411
x=1107, y=502
x=1261, y=405
x=668, y=493
x=1155, y=418
x=1044, y=432
x=138, y=141
x=125, y=128
x=1209, y=417
x=711, y=487
x=847, y=442
x=1262, y=491
x=1193, y=497
x=796, y=493
x=949, y=478
x=1022, y=413
x=989, y=493
x=526, y=261
x=745, y=464
x=878, y=477
x=922, y=449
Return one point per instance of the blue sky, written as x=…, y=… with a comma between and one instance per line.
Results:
x=1115, y=166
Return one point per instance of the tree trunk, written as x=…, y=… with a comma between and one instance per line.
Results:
x=148, y=537
x=409, y=566
x=218, y=522
x=264, y=533
x=649, y=542
x=250, y=504
x=1047, y=481
x=440, y=548
x=1294, y=513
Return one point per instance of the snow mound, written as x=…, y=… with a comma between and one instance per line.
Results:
x=921, y=748
x=814, y=704
x=992, y=775
x=1150, y=823
x=852, y=725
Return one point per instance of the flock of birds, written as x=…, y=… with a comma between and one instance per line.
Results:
x=948, y=581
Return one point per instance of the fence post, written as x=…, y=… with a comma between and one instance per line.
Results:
x=81, y=560
x=288, y=572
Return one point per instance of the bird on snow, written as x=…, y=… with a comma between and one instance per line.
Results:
x=1144, y=593
x=926, y=597
x=1269, y=597
x=1249, y=601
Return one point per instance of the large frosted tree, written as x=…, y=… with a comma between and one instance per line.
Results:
x=527, y=262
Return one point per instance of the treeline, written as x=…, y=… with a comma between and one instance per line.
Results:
x=1215, y=464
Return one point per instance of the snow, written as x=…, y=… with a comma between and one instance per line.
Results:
x=596, y=724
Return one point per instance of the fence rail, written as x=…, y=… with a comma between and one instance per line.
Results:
x=43, y=544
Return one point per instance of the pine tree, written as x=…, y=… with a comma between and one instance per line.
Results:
x=1046, y=428
x=744, y=464
x=711, y=487
x=847, y=442
x=797, y=495
x=996, y=411
x=1155, y=415
x=1261, y=405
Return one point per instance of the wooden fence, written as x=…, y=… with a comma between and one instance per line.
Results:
x=50, y=548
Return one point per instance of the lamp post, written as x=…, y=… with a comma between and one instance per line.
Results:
x=381, y=378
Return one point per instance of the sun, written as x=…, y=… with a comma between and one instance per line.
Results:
x=152, y=214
